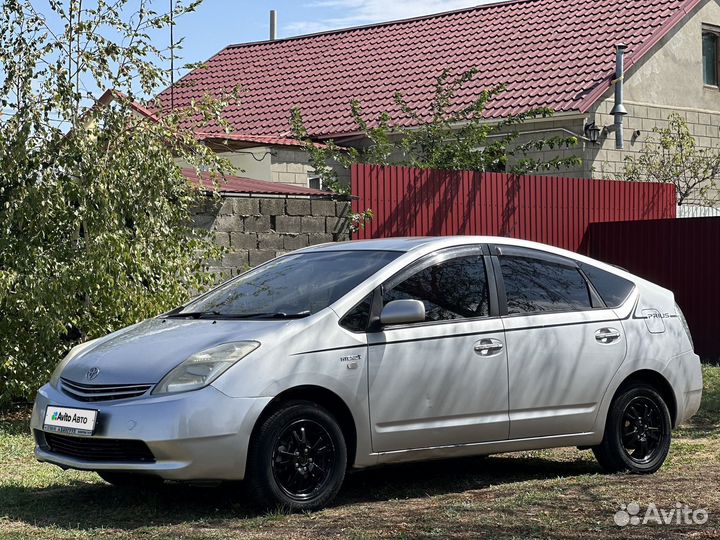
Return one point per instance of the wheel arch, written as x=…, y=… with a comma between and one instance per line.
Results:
x=327, y=399
x=658, y=382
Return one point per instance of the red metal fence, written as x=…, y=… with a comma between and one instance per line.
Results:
x=622, y=223
x=553, y=210
x=680, y=254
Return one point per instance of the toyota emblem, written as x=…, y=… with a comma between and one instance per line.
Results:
x=92, y=373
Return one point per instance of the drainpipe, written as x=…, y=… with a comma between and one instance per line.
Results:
x=619, y=110
x=273, y=25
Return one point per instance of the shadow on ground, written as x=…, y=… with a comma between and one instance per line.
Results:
x=86, y=505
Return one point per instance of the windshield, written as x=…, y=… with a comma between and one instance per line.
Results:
x=292, y=286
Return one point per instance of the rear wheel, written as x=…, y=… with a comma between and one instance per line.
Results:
x=297, y=459
x=637, y=432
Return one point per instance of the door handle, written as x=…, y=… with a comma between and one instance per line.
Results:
x=607, y=335
x=488, y=347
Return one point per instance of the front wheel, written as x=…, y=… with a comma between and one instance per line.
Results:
x=297, y=459
x=637, y=433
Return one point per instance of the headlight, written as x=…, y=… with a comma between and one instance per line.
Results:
x=204, y=367
x=76, y=351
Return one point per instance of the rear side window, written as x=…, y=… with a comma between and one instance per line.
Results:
x=536, y=286
x=453, y=289
x=613, y=289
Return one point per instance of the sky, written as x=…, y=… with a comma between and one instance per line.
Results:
x=218, y=23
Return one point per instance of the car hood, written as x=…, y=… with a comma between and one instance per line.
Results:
x=145, y=352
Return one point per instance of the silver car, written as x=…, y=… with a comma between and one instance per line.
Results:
x=371, y=352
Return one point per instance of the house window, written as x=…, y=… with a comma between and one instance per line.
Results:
x=314, y=181
x=710, y=41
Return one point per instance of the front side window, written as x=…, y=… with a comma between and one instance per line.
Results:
x=453, y=289
x=536, y=286
x=710, y=58
x=290, y=286
x=358, y=318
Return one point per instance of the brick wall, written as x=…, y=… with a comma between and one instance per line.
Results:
x=257, y=229
x=609, y=162
x=292, y=166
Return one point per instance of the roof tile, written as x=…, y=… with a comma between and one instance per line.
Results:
x=550, y=53
x=237, y=185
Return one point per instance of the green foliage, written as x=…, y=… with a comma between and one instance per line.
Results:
x=672, y=157
x=321, y=156
x=95, y=216
x=446, y=136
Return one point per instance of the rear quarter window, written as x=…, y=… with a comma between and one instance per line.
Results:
x=613, y=289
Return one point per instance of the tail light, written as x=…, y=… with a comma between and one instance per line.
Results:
x=683, y=320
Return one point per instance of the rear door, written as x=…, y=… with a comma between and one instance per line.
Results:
x=564, y=344
x=443, y=381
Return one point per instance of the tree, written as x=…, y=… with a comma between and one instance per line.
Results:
x=671, y=156
x=445, y=136
x=95, y=216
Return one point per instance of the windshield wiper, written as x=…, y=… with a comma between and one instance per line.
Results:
x=269, y=315
x=218, y=315
x=194, y=314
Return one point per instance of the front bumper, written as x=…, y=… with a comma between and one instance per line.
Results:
x=199, y=435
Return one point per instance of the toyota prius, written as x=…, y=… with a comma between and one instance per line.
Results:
x=350, y=355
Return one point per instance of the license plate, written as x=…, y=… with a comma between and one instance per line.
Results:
x=71, y=421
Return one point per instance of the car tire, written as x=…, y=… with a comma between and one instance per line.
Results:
x=297, y=459
x=130, y=480
x=638, y=431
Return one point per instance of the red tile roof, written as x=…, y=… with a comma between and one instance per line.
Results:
x=555, y=53
x=110, y=95
x=237, y=185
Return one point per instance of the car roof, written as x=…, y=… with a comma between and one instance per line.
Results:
x=403, y=244
x=427, y=244
x=412, y=243
x=423, y=245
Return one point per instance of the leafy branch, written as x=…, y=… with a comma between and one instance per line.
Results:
x=671, y=156
x=446, y=136
x=95, y=215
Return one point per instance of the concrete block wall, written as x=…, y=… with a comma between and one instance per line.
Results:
x=607, y=162
x=292, y=166
x=254, y=230
x=603, y=160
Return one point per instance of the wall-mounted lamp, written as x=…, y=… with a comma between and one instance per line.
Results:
x=592, y=132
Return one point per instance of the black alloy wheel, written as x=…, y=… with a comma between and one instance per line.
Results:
x=638, y=431
x=643, y=429
x=303, y=459
x=297, y=458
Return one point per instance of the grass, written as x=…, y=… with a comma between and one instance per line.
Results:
x=542, y=494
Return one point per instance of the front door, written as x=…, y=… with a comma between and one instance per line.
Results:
x=443, y=381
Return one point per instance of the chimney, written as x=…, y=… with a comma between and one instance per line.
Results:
x=273, y=25
x=619, y=110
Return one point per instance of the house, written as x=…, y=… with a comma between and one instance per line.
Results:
x=550, y=53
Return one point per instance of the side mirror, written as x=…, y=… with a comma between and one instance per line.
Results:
x=403, y=312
